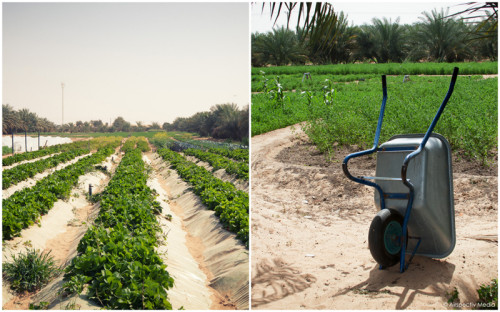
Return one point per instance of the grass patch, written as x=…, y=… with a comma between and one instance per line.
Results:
x=30, y=271
x=468, y=68
x=6, y=150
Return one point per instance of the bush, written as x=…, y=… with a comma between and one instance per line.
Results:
x=30, y=271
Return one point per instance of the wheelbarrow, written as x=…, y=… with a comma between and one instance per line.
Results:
x=414, y=191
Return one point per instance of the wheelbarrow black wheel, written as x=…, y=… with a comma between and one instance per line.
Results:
x=384, y=238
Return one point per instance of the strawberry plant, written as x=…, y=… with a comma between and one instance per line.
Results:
x=24, y=207
x=22, y=172
x=239, y=169
x=117, y=257
x=222, y=197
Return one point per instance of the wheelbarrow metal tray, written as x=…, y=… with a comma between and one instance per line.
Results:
x=432, y=217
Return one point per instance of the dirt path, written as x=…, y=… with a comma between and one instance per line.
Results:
x=220, y=256
x=310, y=228
x=59, y=232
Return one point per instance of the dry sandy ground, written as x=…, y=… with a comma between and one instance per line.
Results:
x=219, y=255
x=310, y=227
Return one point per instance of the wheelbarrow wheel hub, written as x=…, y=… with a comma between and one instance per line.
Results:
x=392, y=237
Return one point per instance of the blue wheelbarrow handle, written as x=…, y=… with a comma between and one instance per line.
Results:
x=404, y=169
x=429, y=131
x=373, y=149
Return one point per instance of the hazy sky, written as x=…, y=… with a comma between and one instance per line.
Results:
x=362, y=12
x=142, y=61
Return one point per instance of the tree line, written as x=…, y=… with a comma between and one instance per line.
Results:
x=223, y=121
x=437, y=37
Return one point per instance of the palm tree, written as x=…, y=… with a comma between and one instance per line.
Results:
x=244, y=125
x=312, y=15
x=10, y=119
x=279, y=47
x=383, y=42
x=334, y=46
x=488, y=27
x=226, y=121
x=389, y=40
x=28, y=120
x=442, y=39
x=485, y=37
x=139, y=126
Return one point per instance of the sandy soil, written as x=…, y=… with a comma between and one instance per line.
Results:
x=310, y=230
x=32, y=181
x=191, y=289
x=59, y=233
x=220, y=256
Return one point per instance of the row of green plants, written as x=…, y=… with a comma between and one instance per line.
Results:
x=237, y=168
x=28, y=170
x=180, y=144
x=143, y=145
x=299, y=82
x=427, y=68
x=136, y=142
x=26, y=206
x=229, y=204
x=240, y=154
x=92, y=145
x=347, y=113
x=116, y=257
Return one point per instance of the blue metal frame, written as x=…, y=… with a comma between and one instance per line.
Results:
x=404, y=168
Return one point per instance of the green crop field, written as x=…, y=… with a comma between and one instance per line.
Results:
x=147, y=134
x=345, y=109
x=471, y=68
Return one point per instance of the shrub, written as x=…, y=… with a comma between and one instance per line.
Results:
x=30, y=271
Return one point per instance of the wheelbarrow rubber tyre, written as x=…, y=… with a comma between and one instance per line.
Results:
x=383, y=237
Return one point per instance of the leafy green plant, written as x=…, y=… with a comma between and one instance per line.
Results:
x=240, y=169
x=470, y=129
x=488, y=295
x=43, y=305
x=92, y=144
x=30, y=271
x=230, y=204
x=6, y=150
x=239, y=154
x=24, y=207
x=22, y=172
x=116, y=256
x=453, y=296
